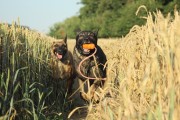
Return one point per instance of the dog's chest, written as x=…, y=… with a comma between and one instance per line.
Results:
x=90, y=67
x=62, y=71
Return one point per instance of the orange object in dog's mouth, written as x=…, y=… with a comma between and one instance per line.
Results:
x=88, y=47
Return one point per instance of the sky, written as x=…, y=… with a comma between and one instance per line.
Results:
x=39, y=15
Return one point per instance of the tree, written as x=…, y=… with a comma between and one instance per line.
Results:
x=70, y=26
x=113, y=18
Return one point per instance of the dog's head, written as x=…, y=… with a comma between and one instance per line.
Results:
x=59, y=48
x=86, y=38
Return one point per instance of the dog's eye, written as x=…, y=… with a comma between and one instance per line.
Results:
x=56, y=45
x=81, y=37
x=55, y=51
x=92, y=37
x=64, y=46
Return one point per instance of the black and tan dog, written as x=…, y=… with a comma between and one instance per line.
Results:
x=92, y=67
x=62, y=63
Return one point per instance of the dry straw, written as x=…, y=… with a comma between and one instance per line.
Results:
x=143, y=69
x=143, y=79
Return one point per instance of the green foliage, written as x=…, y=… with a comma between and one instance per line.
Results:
x=113, y=18
x=70, y=26
x=26, y=90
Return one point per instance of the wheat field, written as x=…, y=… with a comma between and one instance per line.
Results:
x=143, y=79
x=143, y=69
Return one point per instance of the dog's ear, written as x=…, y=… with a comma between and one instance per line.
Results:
x=52, y=45
x=65, y=39
x=96, y=32
x=53, y=42
x=78, y=31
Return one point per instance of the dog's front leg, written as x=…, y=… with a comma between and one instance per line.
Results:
x=83, y=94
x=94, y=94
x=69, y=86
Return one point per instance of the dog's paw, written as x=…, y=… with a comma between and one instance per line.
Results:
x=85, y=96
x=90, y=98
x=95, y=98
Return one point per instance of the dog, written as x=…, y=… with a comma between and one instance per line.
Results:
x=62, y=65
x=92, y=67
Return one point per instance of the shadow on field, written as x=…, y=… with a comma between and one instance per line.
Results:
x=79, y=108
x=61, y=105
